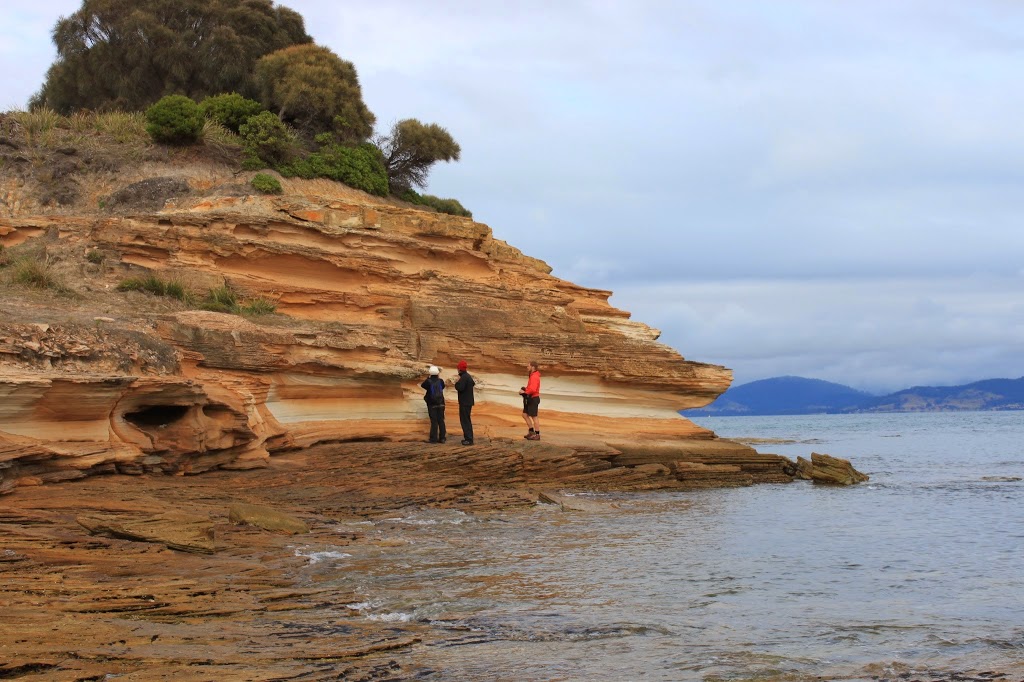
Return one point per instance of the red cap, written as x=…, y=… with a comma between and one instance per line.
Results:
x=462, y=365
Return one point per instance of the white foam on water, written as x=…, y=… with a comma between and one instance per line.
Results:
x=390, y=617
x=316, y=557
x=460, y=518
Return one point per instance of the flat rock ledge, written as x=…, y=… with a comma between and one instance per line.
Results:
x=144, y=576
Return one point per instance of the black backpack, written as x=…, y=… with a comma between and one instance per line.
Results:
x=436, y=392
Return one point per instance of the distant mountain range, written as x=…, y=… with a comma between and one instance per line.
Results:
x=797, y=395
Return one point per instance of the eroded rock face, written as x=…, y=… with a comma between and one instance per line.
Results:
x=368, y=294
x=828, y=470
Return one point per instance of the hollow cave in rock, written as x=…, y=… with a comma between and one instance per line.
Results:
x=156, y=415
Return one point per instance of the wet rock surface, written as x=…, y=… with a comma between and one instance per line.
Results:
x=121, y=602
x=149, y=576
x=828, y=470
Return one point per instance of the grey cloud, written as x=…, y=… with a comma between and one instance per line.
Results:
x=824, y=189
x=873, y=334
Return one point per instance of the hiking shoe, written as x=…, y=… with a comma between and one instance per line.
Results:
x=533, y=436
x=529, y=435
x=443, y=440
x=467, y=442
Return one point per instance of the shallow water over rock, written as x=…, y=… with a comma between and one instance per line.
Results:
x=916, y=575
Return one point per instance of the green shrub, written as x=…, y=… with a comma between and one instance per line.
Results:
x=449, y=206
x=266, y=184
x=258, y=306
x=175, y=119
x=268, y=138
x=231, y=110
x=94, y=256
x=251, y=162
x=361, y=167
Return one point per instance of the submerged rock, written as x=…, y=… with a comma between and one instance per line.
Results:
x=572, y=503
x=266, y=518
x=184, y=532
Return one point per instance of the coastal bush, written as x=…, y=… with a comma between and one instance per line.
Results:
x=360, y=167
x=411, y=149
x=268, y=139
x=251, y=162
x=174, y=119
x=449, y=206
x=266, y=184
x=127, y=54
x=231, y=110
x=315, y=90
x=94, y=256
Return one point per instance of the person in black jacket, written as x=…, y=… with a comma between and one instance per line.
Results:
x=434, y=397
x=464, y=387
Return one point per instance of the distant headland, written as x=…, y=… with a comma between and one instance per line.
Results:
x=799, y=395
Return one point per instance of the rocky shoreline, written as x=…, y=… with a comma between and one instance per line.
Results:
x=123, y=574
x=231, y=601
x=84, y=601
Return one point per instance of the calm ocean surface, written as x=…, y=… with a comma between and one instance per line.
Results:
x=919, y=571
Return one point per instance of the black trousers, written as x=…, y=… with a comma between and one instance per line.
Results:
x=437, y=430
x=467, y=423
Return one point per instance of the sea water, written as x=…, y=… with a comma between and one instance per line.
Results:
x=919, y=572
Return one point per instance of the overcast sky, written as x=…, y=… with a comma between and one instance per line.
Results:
x=828, y=189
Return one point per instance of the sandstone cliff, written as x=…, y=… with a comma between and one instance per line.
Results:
x=368, y=293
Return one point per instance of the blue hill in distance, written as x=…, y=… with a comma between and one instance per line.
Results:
x=799, y=395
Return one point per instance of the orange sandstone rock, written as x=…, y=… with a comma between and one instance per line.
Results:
x=368, y=293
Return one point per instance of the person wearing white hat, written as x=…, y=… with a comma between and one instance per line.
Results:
x=434, y=397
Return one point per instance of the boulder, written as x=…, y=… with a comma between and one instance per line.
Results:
x=833, y=470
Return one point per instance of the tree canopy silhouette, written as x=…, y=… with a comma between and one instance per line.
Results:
x=411, y=148
x=127, y=54
x=315, y=90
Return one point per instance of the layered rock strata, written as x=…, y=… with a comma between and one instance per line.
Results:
x=367, y=294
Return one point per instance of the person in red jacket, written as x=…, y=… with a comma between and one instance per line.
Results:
x=531, y=401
